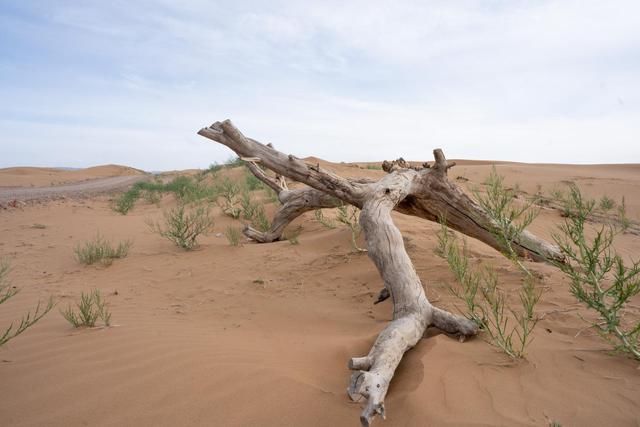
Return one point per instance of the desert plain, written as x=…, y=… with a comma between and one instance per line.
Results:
x=260, y=334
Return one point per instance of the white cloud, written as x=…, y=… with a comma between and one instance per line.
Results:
x=132, y=82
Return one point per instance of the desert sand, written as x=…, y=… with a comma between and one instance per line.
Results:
x=45, y=177
x=260, y=335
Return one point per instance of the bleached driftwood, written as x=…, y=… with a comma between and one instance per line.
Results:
x=424, y=192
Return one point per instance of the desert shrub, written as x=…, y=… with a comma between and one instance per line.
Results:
x=100, y=250
x=599, y=277
x=229, y=203
x=190, y=190
x=260, y=219
x=126, y=201
x=319, y=216
x=510, y=220
x=183, y=225
x=248, y=207
x=485, y=303
x=8, y=291
x=233, y=235
x=90, y=308
x=233, y=162
x=374, y=167
x=507, y=327
x=252, y=183
x=606, y=203
x=348, y=215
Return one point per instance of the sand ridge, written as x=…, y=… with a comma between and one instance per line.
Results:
x=259, y=335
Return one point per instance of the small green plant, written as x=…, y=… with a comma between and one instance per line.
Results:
x=8, y=291
x=183, y=225
x=252, y=182
x=374, y=167
x=233, y=235
x=126, y=201
x=485, y=303
x=623, y=219
x=233, y=162
x=248, y=207
x=510, y=220
x=319, y=216
x=228, y=191
x=606, y=203
x=599, y=277
x=348, y=215
x=90, y=308
x=260, y=219
x=100, y=250
x=39, y=226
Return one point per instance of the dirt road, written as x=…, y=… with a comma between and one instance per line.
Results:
x=84, y=188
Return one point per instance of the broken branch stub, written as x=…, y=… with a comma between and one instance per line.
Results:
x=423, y=192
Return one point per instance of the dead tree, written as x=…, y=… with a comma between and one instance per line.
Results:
x=423, y=192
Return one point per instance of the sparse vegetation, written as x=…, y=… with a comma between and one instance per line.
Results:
x=8, y=291
x=100, y=250
x=90, y=308
x=228, y=191
x=292, y=235
x=260, y=219
x=606, y=203
x=126, y=201
x=348, y=215
x=183, y=225
x=319, y=216
x=486, y=304
x=599, y=277
x=233, y=235
x=252, y=182
x=186, y=189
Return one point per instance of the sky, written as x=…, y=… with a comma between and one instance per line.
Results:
x=86, y=82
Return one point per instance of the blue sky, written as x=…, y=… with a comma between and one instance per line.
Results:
x=130, y=82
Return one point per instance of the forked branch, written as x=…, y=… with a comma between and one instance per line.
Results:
x=423, y=192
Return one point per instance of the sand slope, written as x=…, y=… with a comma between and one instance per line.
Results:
x=260, y=335
x=43, y=177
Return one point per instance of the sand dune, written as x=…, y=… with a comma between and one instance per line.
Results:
x=260, y=335
x=43, y=177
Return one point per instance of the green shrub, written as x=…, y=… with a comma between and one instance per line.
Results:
x=90, y=308
x=248, y=207
x=607, y=203
x=252, y=182
x=486, y=304
x=126, y=201
x=233, y=235
x=348, y=215
x=6, y=292
x=228, y=191
x=260, y=219
x=101, y=250
x=183, y=225
x=599, y=277
x=319, y=216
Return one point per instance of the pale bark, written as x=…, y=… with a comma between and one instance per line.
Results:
x=433, y=197
x=424, y=192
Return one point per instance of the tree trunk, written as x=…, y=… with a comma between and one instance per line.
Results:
x=426, y=193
